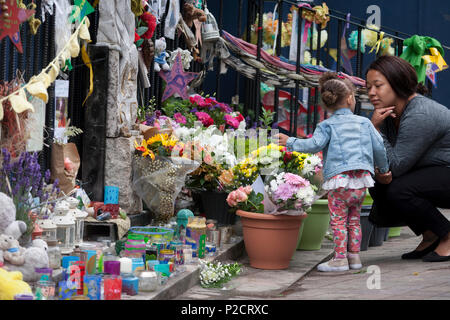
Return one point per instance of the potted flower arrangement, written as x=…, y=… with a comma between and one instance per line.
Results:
x=271, y=231
x=314, y=228
x=211, y=180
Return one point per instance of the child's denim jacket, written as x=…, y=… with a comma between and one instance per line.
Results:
x=348, y=141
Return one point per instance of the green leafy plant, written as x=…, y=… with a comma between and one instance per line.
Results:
x=70, y=132
x=266, y=118
x=143, y=111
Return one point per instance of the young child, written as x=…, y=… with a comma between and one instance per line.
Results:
x=351, y=147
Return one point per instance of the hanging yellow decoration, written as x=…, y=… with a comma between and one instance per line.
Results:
x=378, y=43
x=19, y=102
x=87, y=62
x=435, y=58
x=320, y=15
x=38, y=89
x=37, y=86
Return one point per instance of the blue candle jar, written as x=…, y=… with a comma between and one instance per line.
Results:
x=130, y=284
x=92, y=286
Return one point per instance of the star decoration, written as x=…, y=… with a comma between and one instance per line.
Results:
x=177, y=80
x=82, y=9
x=9, y=26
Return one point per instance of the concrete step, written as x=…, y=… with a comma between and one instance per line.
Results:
x=259, y=284
x=183, y=281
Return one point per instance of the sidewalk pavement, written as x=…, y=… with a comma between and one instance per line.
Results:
x=398, y=279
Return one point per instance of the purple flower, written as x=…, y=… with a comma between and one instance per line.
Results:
x=158, y=113
x=47, y=176
x=194, y=110
x=284, y=192
x=296, y=180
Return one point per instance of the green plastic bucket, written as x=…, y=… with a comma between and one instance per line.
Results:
x=314, y=227
x=395, y=232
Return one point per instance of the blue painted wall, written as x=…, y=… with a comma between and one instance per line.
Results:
x=430, y=18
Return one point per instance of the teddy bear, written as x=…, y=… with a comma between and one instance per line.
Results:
x=190, y=13
x=12, y=251
x=161, y=55
x=11, y=284
x=34, y=257
x=8, y=223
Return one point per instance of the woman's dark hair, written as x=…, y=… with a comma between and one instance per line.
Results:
x=333, y=89
x=400, y=74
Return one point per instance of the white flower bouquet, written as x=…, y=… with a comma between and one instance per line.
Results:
x=215, y=275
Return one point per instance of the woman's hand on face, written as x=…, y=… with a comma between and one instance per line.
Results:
x=380, y=114
x=281, y=139
x=383, y=178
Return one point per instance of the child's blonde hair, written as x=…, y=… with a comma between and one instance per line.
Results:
x=334, y=90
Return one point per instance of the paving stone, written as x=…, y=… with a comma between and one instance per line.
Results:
x=400, y=279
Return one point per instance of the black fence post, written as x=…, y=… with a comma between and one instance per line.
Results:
x=94, y=138
x=298, y=61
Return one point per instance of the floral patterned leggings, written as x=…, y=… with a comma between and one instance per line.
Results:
x=345, y=208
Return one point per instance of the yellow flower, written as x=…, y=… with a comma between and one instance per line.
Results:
x=150, y=153
x=157, y=138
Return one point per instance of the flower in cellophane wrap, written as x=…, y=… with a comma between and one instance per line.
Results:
x=159, y=174
x=306, y=165
x=268, y=158
x=288, y=193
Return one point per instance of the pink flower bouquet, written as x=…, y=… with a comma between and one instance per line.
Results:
x=290, y=193
x=244, y=198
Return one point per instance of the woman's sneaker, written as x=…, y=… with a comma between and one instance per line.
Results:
x=354, y=261
x=334, y=265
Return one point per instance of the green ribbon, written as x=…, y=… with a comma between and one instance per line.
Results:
x=418, y=46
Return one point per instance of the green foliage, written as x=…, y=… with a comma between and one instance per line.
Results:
x=144, y=110
x=266, y=118
x=70, y=132
x=254, y=203
x=141, y=30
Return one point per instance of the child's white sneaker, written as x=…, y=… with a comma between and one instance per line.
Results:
x=334, y=265
x=354, y=261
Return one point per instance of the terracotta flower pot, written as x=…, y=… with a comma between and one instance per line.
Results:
x=270, y=240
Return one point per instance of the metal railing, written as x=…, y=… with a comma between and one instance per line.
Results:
x=38, y=51
x=252, y=93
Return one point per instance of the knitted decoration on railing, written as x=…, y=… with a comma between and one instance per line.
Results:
x=320, y=15
x=277, y=71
